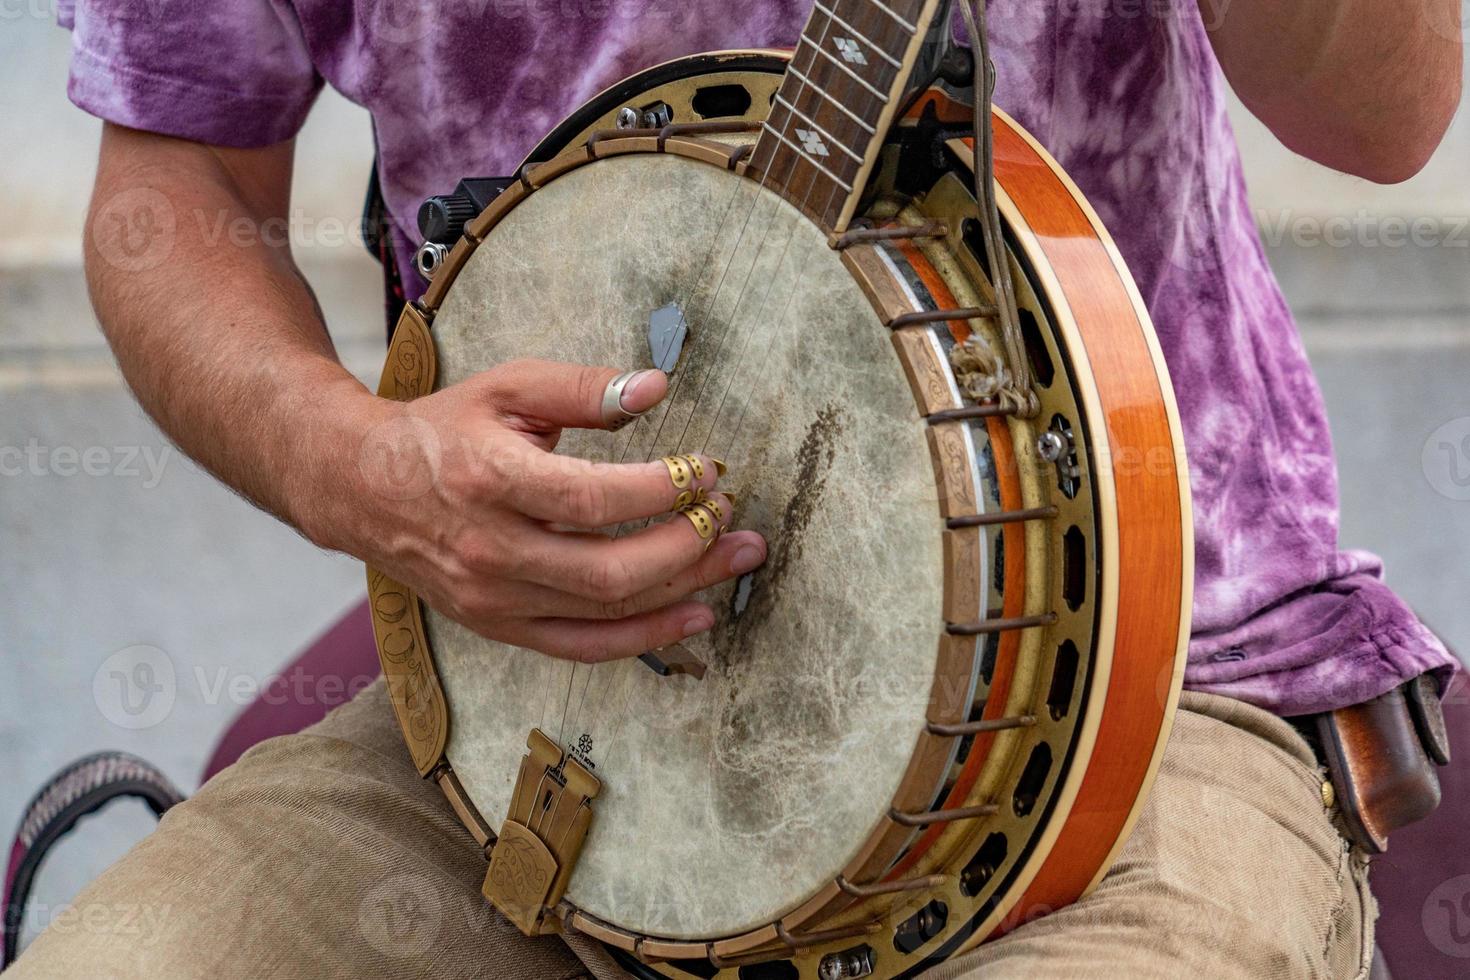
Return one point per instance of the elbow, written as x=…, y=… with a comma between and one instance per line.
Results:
x=1390, y=167
x=1385, y=136
x=1394, y=149
x=1399, y=155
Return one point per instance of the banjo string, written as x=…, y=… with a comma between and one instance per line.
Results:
x=974, y=15
x=669, y=402
x=739, y=359
x=671, y=397
x=777, y=326
x=982, y=72
x=632, y=430
x=719, y=287
x=977, y=27
x=770, y=289
x=707, y=383
x=802, y=83
x=667, y=407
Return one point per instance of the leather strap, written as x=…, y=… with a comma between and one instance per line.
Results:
x=1381, y=756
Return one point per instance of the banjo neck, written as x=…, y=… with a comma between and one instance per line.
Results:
x=841, y=92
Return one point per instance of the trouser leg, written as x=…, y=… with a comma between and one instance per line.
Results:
x=1234, y=870
x=322, y=854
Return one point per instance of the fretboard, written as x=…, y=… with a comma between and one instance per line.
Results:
x=837, y=100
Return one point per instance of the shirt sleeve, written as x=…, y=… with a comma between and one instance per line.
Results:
x=233, y=73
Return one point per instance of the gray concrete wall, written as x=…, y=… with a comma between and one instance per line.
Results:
x=165, y=558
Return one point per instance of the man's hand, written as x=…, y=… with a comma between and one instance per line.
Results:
x=223, y=344
x=1364, y=86
x=459, y=495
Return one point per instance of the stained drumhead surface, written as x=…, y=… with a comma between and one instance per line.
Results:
x=729, y=800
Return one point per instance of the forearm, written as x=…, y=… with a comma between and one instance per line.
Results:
x=1365, y=86
x=221, y=340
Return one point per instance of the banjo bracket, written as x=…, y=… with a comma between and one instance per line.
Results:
x=541, y=839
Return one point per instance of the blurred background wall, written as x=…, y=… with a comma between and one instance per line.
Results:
x=157, y=554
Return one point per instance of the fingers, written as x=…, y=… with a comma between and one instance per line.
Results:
x=549, y=395
x=580, y=493
x=593, y=642
x=615, y=569
x=733, y=554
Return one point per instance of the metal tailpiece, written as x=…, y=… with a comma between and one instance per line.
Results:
x=542, y=836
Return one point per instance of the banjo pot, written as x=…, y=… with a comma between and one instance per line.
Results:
x=935, y=711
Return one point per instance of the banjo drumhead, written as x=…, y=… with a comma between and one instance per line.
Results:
x=729, y=800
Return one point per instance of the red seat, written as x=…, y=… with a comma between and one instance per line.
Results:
x=346, y=654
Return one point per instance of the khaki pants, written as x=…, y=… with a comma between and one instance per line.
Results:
x=324, y=854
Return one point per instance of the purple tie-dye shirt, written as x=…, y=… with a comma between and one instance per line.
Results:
x=1127, y=96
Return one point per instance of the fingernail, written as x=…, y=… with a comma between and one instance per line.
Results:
x=720, y=467
x=746, y=559
x=627, y=401
x=698, y=624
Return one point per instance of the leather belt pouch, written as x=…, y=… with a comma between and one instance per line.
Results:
x=1381, y=757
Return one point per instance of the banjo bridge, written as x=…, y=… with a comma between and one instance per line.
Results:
x=542, y=836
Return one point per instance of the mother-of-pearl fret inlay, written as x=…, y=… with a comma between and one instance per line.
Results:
x=805, y=140
x=843, y=42
x=837, y=101
x=850, y=50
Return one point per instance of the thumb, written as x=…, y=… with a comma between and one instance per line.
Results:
x=549, y=395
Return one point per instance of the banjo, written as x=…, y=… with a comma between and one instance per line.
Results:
x=935, y=711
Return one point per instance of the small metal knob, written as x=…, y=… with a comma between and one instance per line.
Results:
x=628, y=117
